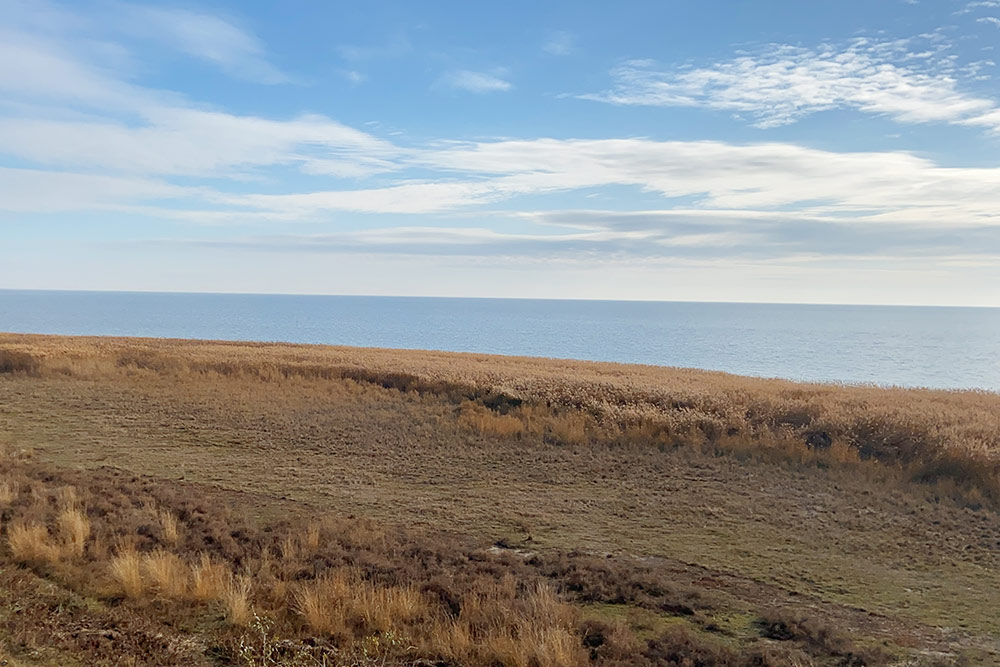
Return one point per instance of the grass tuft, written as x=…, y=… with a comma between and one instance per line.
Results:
x=74, y=529
x=31, y=544
x=126, y=570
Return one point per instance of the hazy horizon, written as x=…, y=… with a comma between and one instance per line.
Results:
x=498, y=298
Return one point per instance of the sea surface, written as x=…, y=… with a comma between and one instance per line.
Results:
x=887, y=345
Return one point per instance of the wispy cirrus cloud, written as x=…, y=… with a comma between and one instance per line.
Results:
x=476, y=82
x=209, y=37
x=68, y=110
x=649, y=235
x=909, y=81
x=978, y=4
x=560, y=43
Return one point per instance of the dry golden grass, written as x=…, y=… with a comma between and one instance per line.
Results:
x=74, y=529
x=236, y=600
x=8, y=491
x=167, y=573
x=209, y=579
x=322, y=604
x=311, y=539
x=126, y=569
x=800, y=488
x=31, y=543
x=578, y=402
x=67, y=498
x=170, y=527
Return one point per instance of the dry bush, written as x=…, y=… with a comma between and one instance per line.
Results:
x=74, y=529
x=14, y=361
x=30, y=543
x=816, y=636
x=126, y=570
x=167, y=573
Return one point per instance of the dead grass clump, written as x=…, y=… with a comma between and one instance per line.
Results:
x=236, y=600
x=144, y=359
x=502, y=624
x=323, y=605
x=167, y=573
x=209, y=579
x=170, y=527
x=389, y=608
x=480, y=419
x=971, y=480
x=74, y=529
x=126, y=570
x=31, y=544
x=342, y=604
x=8, y=491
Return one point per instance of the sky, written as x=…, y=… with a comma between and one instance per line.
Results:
x=817, y=152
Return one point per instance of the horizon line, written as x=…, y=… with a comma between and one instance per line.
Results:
x=497, y=298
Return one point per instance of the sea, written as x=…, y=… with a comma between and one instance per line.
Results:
x=938, y=347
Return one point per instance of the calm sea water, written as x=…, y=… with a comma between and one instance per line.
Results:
x=934, y=347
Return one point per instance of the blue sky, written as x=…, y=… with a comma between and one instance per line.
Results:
x=844, y=152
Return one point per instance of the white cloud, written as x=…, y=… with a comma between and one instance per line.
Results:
x=43, y=69
x=137, y=129
x=208, y=37
x=978, y=4
x=193, y=142
x=782, y=84
x=475, y=82
x=750, y=184
x=989, y=19
x=39, y=191
x=560, y=43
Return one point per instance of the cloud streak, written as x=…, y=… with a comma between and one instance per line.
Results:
x=475, y=82
x=781, y=84
x=207, y=37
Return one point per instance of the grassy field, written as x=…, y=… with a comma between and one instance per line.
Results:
x=182, y=502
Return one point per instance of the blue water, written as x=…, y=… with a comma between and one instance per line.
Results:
x=910, y=346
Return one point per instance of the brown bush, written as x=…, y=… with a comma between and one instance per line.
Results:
x=13, y=361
